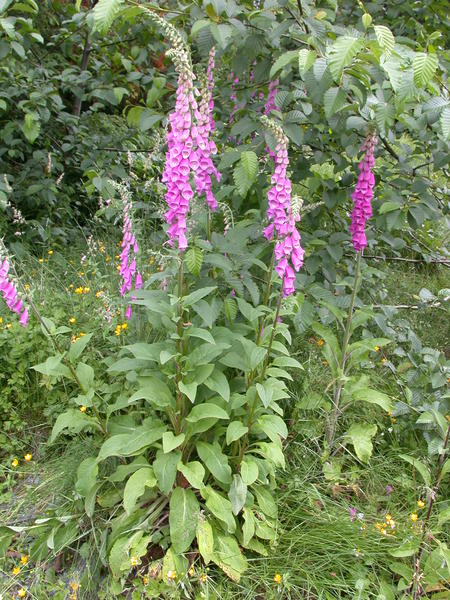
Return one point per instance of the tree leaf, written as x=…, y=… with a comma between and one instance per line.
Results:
x=306, y=60
x=105, y=11
x=374, y=397
x=283, y=61
x=385, y=38
x=333, y=101
x=424, y=67
x=249, y=161
x=135, y=487
x=341, y=54
x=445, y=122
x=31, y=127
x=194, y=260
x=360, y=435
x=183, y=518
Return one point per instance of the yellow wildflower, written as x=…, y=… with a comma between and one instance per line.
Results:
x=383, y=531
x=384, y=360
x=117, y=256
x=86, y=290
x=124, y=326
x=72, y=320
x=27, y=287
x=28, y=456
x=118, y=267
x=134, y=561
x=8, y=325
x=191, y=572
x=24, y=559
x=50, y=252
x=171, y=575
x=78, y=290
x=145, y=580
x=41, y=260
x=16, y=570
x=152, y=260
x=413, y=517
x=108, y=258
x=14, y=463
x=22, y=593
x=117, y=330
x=320, y=343
x=394, y=420
x=277, y=578
x=99, y=294
x=1, y=320
x=377, y=348
x=83, y=408
x=203, y=578
x=70, y=286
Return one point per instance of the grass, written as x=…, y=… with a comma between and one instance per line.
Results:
x=321, y=553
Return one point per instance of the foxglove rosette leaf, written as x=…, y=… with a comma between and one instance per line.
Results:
x=283, y=214
x=8, y=290
x=363, y=194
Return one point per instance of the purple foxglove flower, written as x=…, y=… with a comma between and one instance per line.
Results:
x=10, y=294
x=363, y=194
x=282, y=220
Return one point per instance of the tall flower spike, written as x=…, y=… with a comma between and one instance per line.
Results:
x=131, y=278
x=181, y=155
x=282, y=215
x=8, y=290
x=363, y=194
x=201, y=131
x=270, y=105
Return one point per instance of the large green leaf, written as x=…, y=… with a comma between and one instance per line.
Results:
x=165, y=467
x=205, y=539
x=360, y=435
x=424, y=67
x=228, y=556
x=128, y=444
x=341, y=54
x=135, y=487
x=333, y=101
x=206, y=411
x=215, y=460
x=385, y=39
x=183, y=518
x=74, y=421
x=105, y=11
x=237, y=494
x=194, y=472
x=220, y=508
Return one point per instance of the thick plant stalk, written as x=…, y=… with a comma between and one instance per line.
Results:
x=338, y=391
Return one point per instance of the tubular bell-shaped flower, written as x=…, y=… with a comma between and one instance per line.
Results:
x=201, y=132
x=8, y=289
x=282, y=215
x=363, y=194
x=270, y=102
x=131, y=278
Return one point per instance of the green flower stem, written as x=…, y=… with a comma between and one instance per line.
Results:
x=266, y=297
x=180, y=396
x=261, y=377
x=338, y=391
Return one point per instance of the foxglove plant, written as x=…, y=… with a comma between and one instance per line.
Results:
x=363, y=194
x=9, y=291
x=270, y=102
x=131, y=278
x=282, y=218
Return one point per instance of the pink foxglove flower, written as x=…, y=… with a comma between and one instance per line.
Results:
x=131, y=278
x=363, y=194
x=10, y=294
x=201, y=131
x=282, y=218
